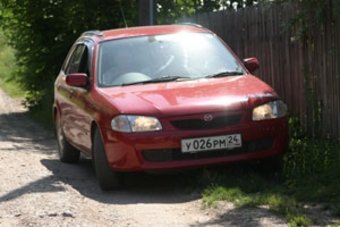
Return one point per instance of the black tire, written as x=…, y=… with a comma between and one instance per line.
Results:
x=67, y=153
x=108, y=179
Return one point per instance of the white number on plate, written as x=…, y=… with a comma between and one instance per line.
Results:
x=211, y=143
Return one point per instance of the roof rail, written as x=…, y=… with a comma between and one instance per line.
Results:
x=93, y=32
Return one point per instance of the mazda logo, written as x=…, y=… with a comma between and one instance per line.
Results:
x=207, y=117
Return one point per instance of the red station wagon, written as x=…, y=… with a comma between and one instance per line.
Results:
x=161, y=98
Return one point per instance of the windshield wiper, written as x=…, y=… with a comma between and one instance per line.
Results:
x=168, y=78
x=159, y=80
x=225, y=73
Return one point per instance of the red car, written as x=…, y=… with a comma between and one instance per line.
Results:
x=162, y=98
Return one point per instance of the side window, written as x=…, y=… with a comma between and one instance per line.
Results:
x=78, y=60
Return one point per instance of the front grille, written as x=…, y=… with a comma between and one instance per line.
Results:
x=197, y=124
x=167, y=155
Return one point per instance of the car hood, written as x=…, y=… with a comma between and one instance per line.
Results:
x=195, y=96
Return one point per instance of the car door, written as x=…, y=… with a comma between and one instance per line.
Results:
x=77, y=121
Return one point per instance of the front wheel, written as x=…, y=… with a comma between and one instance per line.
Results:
x=108, y=179
x=67, y=153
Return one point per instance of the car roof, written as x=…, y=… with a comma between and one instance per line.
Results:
x=145, y=30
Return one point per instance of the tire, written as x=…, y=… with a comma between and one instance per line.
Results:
x=67, y=153
x=108, y=179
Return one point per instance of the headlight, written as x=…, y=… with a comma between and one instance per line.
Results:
x=275, y=109
x=132, y=123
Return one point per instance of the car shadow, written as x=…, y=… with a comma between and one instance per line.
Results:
x=22, y=134
x=139, y=187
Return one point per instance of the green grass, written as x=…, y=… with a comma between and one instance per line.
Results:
x=310, y=175
x=254, y=190
x=11, y=88
x=7, y=71
x=10, y=84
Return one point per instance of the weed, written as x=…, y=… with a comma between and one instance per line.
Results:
x=310, y=173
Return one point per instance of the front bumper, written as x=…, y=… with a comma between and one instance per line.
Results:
x=161, y=150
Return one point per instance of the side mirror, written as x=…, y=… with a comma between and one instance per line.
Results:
x=251, y=64
x=77, y=79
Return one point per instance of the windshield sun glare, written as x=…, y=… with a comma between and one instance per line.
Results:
x=185, y=54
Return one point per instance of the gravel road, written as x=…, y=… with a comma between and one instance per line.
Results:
x=38, y=190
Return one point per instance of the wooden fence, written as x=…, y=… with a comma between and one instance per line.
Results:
x=305, y=74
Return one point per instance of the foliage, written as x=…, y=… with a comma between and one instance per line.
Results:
x=7, y=66
x=310, y=14
x=173, y=11
x=311, y=166
x=42, y=31
x=245, y=187
x=309, y=175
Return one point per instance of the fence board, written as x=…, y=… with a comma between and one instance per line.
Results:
x=306, y=75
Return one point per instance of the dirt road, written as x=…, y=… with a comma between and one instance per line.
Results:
x=38, y=190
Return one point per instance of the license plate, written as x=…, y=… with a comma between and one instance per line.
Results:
x=211, y=143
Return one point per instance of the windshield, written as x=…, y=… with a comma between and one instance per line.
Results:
x=181, y=55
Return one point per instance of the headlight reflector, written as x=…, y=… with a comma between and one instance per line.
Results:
x=135, y=123
x=270, y=110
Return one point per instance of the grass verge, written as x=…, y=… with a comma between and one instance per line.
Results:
x=310, y=176
x=10, y=85
x=7, y=71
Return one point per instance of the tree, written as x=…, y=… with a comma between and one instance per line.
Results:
x=42, y=31
x=172, y=11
